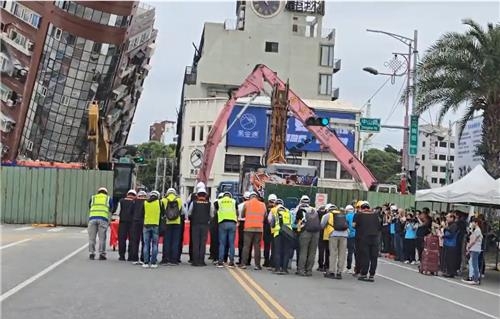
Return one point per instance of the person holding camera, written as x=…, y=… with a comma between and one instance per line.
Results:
x=411, y=226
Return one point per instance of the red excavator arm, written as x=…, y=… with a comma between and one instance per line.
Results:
x=253, y=85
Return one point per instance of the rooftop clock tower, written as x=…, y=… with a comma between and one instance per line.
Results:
x=298, y=17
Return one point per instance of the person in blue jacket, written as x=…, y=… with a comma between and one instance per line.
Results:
x=450, y=246
x=351, y=237
x=410, y=239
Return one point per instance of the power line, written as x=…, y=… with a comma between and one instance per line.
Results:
x=376, y=92
x=396, y=102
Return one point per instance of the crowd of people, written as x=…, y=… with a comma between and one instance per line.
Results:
x=349, y=238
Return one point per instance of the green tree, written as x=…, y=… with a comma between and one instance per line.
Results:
x=382, y=164
x=464, y=69
x=151, y=151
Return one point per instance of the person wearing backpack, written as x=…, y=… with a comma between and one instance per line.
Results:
x=336, y=229
x=308, y=226
x=173, y=211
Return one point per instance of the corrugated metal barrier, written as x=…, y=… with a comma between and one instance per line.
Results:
x=49, y=195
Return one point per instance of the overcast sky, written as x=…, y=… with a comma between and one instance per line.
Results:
x=181, y=23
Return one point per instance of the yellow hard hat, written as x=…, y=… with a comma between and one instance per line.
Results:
x=358, y=203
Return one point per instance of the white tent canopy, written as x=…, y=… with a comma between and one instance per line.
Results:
x=477, y=187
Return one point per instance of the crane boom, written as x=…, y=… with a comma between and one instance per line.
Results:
x=254, y=84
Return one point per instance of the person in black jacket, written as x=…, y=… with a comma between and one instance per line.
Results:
x=125, y=211
x=324, y=250
x=200, y=211
x=368, y=228
x=136, y=232
x=424, y=229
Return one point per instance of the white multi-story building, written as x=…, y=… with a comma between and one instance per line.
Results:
x=290, y=39
x=286, y=36
x=436, y=155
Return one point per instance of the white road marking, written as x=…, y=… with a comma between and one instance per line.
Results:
x=15, y=243
x=445, y=279
x=40, y=274
x=439, y=297
x=55, y=230
x=84, y=231
x=24, y=228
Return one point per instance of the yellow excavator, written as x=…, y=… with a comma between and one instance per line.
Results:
x=100, y=155
x=99, y=150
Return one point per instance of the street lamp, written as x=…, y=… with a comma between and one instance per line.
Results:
x=371, y=70
x=408, y=165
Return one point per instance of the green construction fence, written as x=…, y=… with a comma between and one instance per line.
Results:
x=49, y=195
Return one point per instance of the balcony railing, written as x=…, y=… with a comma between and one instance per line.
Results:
x=335, y=94
x=336, y=65
x=328, y=34
x=25, y=49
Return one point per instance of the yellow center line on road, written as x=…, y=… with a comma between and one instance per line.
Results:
x=264, y=293
x=252, y=294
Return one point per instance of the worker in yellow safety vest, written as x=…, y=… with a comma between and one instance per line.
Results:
x=227, y=220
x=281, y=229
x=172, y=235
x=153, y=213
x=99, y=209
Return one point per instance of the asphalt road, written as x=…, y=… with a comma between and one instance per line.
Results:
x=46, y=273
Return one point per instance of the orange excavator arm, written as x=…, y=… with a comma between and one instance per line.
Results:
x=253, y=85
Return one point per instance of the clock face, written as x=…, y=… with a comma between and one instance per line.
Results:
x=266, y=9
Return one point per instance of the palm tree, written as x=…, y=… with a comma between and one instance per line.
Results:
x=464, y=69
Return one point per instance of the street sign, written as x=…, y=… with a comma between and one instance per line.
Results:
x=369, y=125
x=124, y=159
x=321, y=199
x=413, y=149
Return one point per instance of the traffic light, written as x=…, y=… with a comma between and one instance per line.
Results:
x=317, y=121
x=138, y=159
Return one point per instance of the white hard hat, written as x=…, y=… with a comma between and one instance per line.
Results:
x=349, y=208
x=279, y=201
x=253, y=194
x=142, y=193
x=329, y=207
x=200, y=185
x=102, y=189
x=365, y=204
x=272, y=198
x=202, y=190
x=394, y=207
x=228, y=194
x=305, y=199
x=171, y=191
x=220, y=195
x=155, y=193
x=246, y=195
x=132, y=191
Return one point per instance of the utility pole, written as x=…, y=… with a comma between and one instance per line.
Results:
x=408, y=166
x=412, y=162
